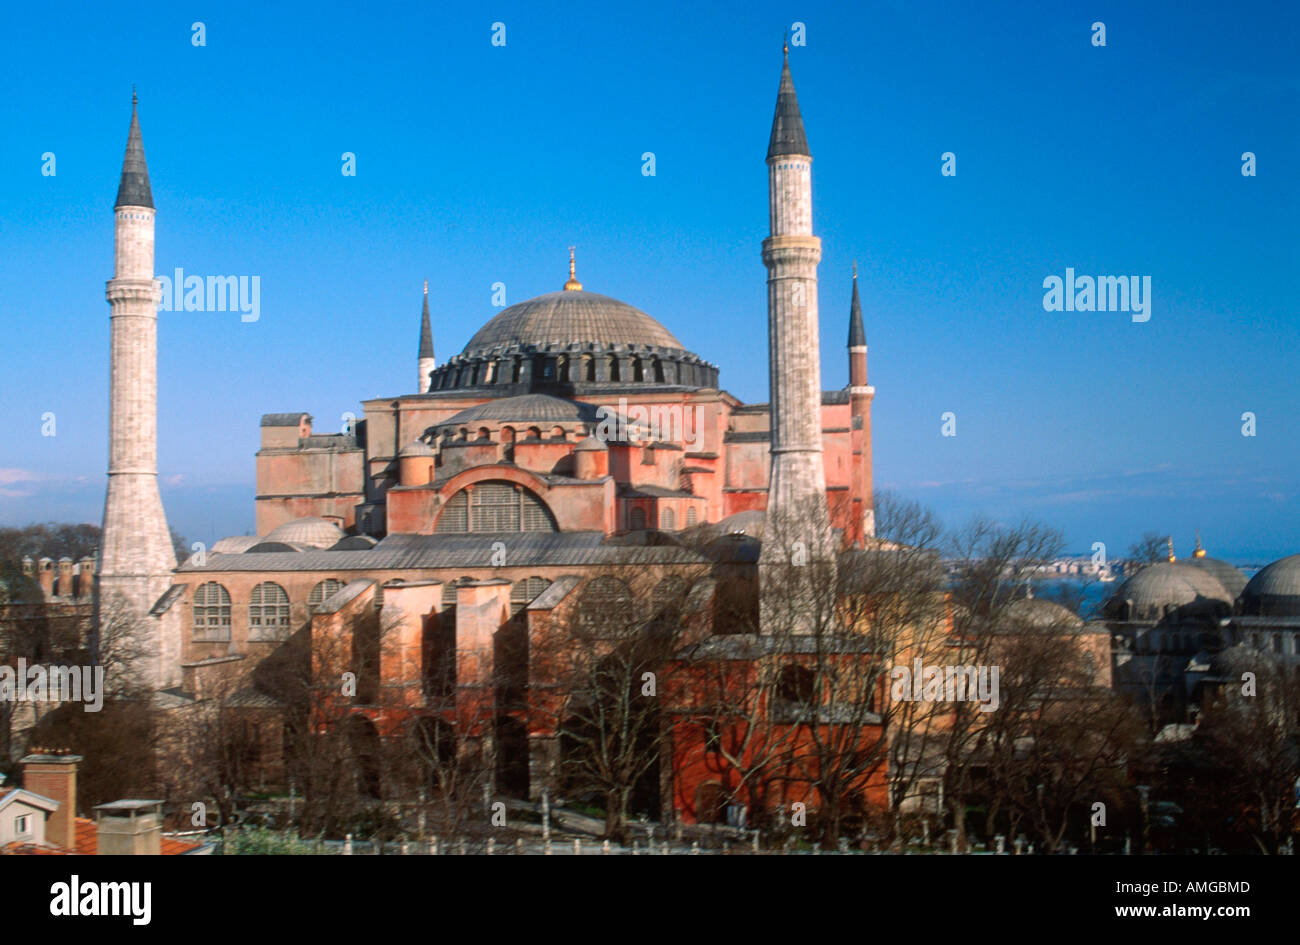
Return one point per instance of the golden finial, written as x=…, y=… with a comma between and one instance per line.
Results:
x=1170, y=543
x=426, y=286
x=855, y=269
x=133, y=98
x=573, y=285
x=1199, y=552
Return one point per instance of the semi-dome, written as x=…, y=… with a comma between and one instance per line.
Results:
x=1159, y=588
x=1274, y=591
x=310, y=531
x=526, y=408
x=567, y=317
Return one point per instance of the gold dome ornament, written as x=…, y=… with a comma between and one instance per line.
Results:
x=573, y=285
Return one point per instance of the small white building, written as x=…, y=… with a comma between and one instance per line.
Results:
x=22, y=817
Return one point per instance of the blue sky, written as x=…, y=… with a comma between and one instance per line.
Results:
x=478, y=164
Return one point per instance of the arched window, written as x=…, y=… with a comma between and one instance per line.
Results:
x=637, y=517
x=669, y=595
x=268, y=610
x=668, y=520
x=692, y=517
x=322, y=592
x=495, y=506
x=211, y=612
x=607, y=607
x=525, y=592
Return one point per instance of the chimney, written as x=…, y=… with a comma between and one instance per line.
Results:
x=65, y=577
x=86, y=576
x=55, y=776
x=45, y=575
x=29, y=566
x=129, y=828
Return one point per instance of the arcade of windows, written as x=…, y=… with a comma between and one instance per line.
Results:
x=269, y=610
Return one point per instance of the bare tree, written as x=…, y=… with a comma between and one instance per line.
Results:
x=990, y=563
x=1251, y=732
x=1149, y=549
x=602, y=659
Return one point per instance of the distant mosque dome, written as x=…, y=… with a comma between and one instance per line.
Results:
x=1232, y=579
x=1168, y=586
x=1039, y=614
x=1274, y=591
x=311, y=531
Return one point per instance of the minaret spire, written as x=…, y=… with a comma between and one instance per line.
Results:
x=863, y=524
x=787, y=124
x=427, y=362
x=134, y=189
x=136, y=554
x=857, y=335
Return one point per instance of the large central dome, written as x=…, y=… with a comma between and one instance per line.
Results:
x=568, y=343
x=569, y=317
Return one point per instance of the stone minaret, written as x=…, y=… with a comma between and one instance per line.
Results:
x=860, y=395
x=427, y=361
x=136, y=556
x=796, y=498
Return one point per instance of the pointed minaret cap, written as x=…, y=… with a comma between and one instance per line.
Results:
x=573, y=285
x=134, y=190
x=426, y=331
x=857, y=335
x=787, y=124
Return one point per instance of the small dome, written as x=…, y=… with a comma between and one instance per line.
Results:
x=311, y=531
x=1274, y=591
x=591, y=444
x=355, y=543
x=416, y=448
x=235, y=545
x=1233, y=581
x=267, y=546
x=1041, y=614
x=1158, y=587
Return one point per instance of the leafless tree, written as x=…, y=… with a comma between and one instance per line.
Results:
x=602, y=659
x=1252, y=732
